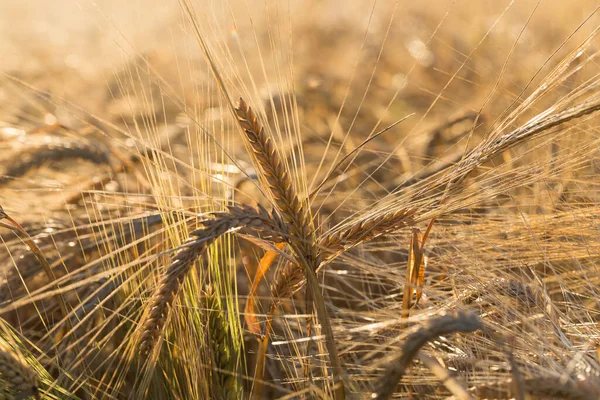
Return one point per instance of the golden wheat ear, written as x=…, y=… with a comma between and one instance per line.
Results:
x=188, y=254
x=296, y=214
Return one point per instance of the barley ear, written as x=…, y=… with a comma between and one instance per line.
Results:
x=226, y=384
x=183, y=261
x=296, y=214
x=18, y=376
x=444, y=325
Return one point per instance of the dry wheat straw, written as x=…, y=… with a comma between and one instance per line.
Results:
x=457, y=322
x=226, y=385
x=544, y=387
x=236, y=217
x=518, y=383
x=297, y=216
x=16, y=373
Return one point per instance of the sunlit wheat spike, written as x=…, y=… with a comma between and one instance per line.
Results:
x=367, y=229
x=274, y=172
x=192, y=249
x=536, y=127
x=297, y=216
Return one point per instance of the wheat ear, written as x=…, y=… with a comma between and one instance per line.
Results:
x=184, y=259
x=277, y=178
x=367, y=229
x=226, y=384
x=58, y=149
x=296, y=215
x=444, y=325
x=387, y=222
x=20, y=377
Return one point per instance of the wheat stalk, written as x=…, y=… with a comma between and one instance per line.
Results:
x=236, y=217
x=451, y=323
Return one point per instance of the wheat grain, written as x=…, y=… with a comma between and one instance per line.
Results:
x=289, y=281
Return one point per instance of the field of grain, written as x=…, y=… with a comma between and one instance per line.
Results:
x=302, y=199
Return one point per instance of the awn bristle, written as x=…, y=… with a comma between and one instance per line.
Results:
x=236, y=217
x=444, y=325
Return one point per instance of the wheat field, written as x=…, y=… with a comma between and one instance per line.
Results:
x=302, y=199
